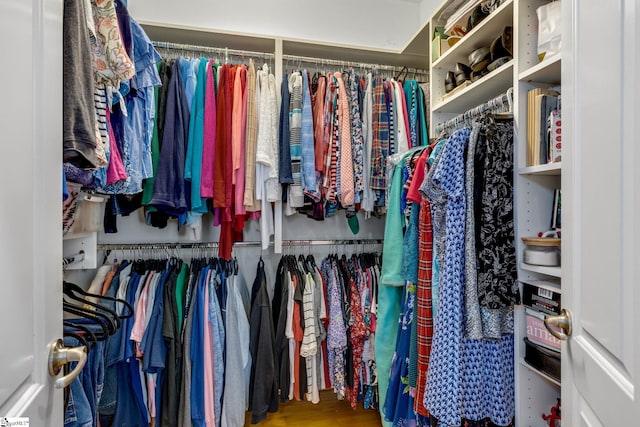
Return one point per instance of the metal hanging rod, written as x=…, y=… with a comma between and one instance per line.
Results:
x=353, y=64
x=213, y=245
x=500, y=105
x=210, y=49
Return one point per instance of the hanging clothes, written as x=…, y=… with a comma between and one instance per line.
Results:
x=453, y=394
x=263, y=391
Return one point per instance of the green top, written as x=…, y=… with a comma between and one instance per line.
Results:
x=181, y=285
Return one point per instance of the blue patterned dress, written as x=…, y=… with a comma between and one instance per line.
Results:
x=398, y=406
x=467, y=379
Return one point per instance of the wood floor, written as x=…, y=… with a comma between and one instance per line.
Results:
x=328, y=413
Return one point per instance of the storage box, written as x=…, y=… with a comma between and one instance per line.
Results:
x=543, y=359
x=538, y=333
x=541, y=295
x=439, y=43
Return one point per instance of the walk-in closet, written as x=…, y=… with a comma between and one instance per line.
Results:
x=337, y=214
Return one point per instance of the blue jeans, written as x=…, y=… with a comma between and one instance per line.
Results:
x=85, y=390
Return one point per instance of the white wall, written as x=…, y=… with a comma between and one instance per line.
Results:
x=375, y=24
x=132, y=229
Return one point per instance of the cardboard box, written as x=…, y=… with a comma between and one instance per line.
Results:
x=541, y=295
x=538, y=333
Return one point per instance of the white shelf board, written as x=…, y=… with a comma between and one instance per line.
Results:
x=80, y=235
x=549, y=271
x=491, y=85
x=548, y=169
x=542, y=374
x=480, y=36
x=547, y=71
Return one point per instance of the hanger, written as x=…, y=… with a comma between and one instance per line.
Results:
x=404, y=70
x=97, y=318
x=74, y=331
x=106, y=317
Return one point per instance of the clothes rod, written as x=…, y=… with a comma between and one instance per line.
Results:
x=501, y=105
x=213, y=245
x=339, y=63
x=211, y=49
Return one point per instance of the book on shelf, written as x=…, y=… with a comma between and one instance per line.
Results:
x=556, y=210
x=554, y=136
x=541, y=103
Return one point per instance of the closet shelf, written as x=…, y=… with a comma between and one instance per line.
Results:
x=547, y=71
x=542, y=374
x=548, y=169
x=549, y=271
x=482, y=35
x=81, y=235
x=493, y=84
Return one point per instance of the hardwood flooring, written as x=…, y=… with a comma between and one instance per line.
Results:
x=330, y=412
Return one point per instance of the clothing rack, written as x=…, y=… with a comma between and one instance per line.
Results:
x=353, y=64
x=217, y=50
x=213, y=245
x=501, y=105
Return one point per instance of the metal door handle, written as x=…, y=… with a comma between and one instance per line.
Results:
x=59, y=355
x=562, y=321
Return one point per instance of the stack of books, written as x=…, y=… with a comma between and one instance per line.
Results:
x=543, y=127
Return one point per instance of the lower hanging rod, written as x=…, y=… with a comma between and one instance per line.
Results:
x=213, y=245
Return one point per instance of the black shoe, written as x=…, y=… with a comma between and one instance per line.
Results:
x=462, y=73
x=477, y=15
x=498, y=50
x=449, y=82
x=477, y=75
x=507, y=39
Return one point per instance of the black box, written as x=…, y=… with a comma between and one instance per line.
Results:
x=543, y=359
x=541, y=295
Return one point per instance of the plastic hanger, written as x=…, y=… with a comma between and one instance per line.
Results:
x=97, y=318
x=71, y=289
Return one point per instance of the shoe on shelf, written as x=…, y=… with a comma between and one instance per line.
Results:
x=449, y=82
x=462, y=73
x=477, y=15
x=479, y=59
x=498, y=63
x=476, y=75
x=456, y=34
x=498, y=50
x=507, y=39
x=501, y=49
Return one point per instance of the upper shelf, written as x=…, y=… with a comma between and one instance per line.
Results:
x=493, y=84
x=480, y=36
x=547, y=71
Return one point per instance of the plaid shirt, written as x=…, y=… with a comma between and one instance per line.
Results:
x=424, y=314
x=380, y=125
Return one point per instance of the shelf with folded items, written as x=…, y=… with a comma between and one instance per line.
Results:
x=480, y=36
x=548, y=71
x=489, y=86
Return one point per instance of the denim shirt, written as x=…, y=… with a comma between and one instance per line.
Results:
x=137, y=124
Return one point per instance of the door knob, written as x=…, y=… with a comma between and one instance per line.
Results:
x=59, y=355
x=562, y=321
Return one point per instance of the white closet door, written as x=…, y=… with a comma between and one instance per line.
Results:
x=30, y=219
x=601, y=232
